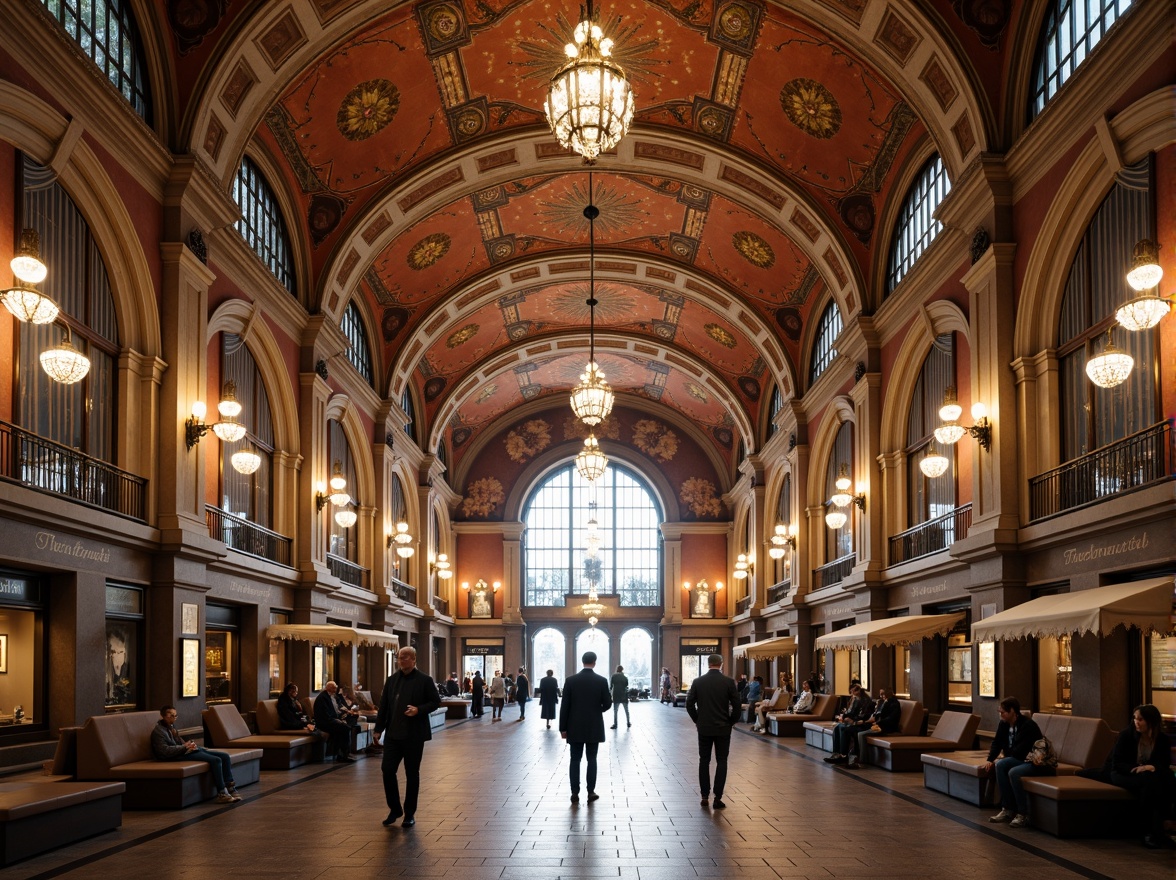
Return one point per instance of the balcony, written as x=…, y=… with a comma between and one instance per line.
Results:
x=348, y=571
x=246, y=537
x=779, y=592
x=49, y=467
x=1140, y=460
x=441, y=606
x=742, y=605
x=931, y=536
x=833, y=572
x=403, y=591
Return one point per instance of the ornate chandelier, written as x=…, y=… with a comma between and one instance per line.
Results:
x=591, y=461
x=247, y=461
x=1144, y=312
x=65, y=364
x=1110, y=368
x=934, y=463
x=592, y=398
x=590, y=103
x=24, y=301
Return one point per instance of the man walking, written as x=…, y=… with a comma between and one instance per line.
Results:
x=522, y=692
x=620, y=695
x=581, y=721
x=409, y=696
x=714, y=706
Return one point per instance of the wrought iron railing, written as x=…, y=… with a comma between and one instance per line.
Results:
x=246, y=537
x=347, y=571
x=931, y=536
x=743, y=604
x=833, y=572
x=1143, y=458
x=779, y=592
x=41, y=464
x=440, y=605
x=404, y=591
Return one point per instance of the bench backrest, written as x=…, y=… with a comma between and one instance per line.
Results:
x=910, y=719
x=824, y=706
x=1084, y=742
x=65, y=758
x=110, y=740
x=267, y=717
x=224, y=724
x=957, y=727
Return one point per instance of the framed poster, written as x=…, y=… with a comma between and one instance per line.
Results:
x=701, y=602
x=481, y=601
x=959, y=664
x=319, y=657
x=190, y=667
x=189, y=619
x=986, y=661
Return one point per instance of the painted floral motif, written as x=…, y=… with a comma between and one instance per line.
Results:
x=699, y=496
x=754, y=249
x=528, y=440
x=574, y=429
x=811, y=107
x=459, y=337
x=486, y=393
x=483, y=497
x=428, y=251
x=367, y=108
x=720, y=335
x=655, y=439
x=697, y=392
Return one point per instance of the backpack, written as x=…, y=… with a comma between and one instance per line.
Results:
x=1043, y=753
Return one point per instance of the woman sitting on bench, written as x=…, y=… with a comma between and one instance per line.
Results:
x=1141, y=763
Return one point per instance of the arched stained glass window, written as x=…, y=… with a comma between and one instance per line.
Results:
x=359, y=353
x=917, y=227
x=1070, y=31
x=828, y=329
x=261, y=223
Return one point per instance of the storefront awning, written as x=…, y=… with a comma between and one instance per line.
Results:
x=889, y=631
x=331, y=634
x=1143, y=604
x=768, y=649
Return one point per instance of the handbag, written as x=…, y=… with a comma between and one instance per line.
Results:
x=1043, y=753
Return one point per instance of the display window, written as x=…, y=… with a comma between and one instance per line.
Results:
x=221, y=655
x=484, y=656
x=278, y=659
x=22, y=655
x=1054, y=669
x=124, y=648
x=694, y=659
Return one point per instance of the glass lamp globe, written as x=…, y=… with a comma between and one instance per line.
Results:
x=835, y=519
x=345, y=517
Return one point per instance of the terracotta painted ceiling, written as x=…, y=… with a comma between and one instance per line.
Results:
x=704, y=297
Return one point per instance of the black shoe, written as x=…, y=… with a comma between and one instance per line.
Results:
x=408, y=822
x=393, y=815
x=614, y=727
x=629, y=725
x=705, y=801
x=575, y=799
x=593, y=796
x=344, y=759
x=719, y=805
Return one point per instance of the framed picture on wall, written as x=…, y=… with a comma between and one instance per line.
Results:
x=702, y=602
x=189, y=619
x=319, y=659
x=986, y=661
x=959, y=664
x=189, y=667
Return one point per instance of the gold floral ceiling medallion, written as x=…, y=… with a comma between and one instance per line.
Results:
x=811, y=107
x=367, y=108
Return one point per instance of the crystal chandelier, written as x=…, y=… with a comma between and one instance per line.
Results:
x=591, y=461
x=841, y=497
x=1144, y=312
x=247, y=461
x=65, y=364
x=338, y=495
x=590, y=103
x=346, y=517
x=403, y=540
x=592, y=398
x=1110, y=368
x=934, y=463
x=592, y=568
x=24, y=301
x=228, y=428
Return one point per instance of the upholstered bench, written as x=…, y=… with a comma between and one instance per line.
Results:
x=961, y=775
x=1073, y=806
x=437, y=718
x=819, y=734
x=901, y=753
x=37, y=816
x=227, y=729
x=456, y=708
x=118, y=748
x=306, y=747
x=792, y=723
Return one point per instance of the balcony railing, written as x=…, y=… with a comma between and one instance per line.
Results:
x=1143, y=458
x=41, y=464
x=246, y=537
x=779, y=592
x=347, y=571
x=931, y=536
x=833, y=572
x=441, y=606
x=743, y=604
x=401, y=590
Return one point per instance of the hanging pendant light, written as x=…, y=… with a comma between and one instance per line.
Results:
x=338, y=495
x=228, y=429
x=1110, y=368
x=934, y=463
x=247, y=461
x=1144, y=312
x=835, y=519
x=591, y=461
x=1146, y=271
x=65, y=364
x=592, y=398
x=24, y=301
x=841, y=497
x=590, y=103
x=346, y=517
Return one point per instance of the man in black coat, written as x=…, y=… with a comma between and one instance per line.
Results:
x=886, y=717
x=329, y=721
x=409, y=696
x=1015, y=736
x=581, y=721
x=714, y=706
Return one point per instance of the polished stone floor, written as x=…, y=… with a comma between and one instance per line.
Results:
x=495, y=805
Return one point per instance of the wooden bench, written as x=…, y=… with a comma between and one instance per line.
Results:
x=902, y=752
x=38, y=816
x=118, y=748
x=792, y=724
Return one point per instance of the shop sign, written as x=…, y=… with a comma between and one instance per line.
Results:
x=49, y=542
x=250, y=591
x=25, y=591
x=123, y=600
x=482, y=650
x=1121, y=550
x=699, y=650
x=822, y=613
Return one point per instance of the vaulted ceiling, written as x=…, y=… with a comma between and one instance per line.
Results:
x=410, y=143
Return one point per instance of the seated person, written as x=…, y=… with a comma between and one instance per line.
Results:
x=290, y=714
x=860, y=707
x=168, y=745
x=347, y=710
x=1141, y=763
x=328, y=720
x=362, y=701
x=780, y=697
x=884, y=719
x=741, y=686
x=452, y=689
x=754, y=693
x=1015, y=736
x=804, y=700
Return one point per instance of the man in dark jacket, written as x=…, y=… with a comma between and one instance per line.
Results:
x=714, y=706
x=581, y=721
x=861, y=707
x=886, y=717
x=1015, y=736
x=409, y=696
x=167, y=745
x=330, y=721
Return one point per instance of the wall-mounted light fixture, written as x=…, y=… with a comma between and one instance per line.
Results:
x=441, y=567
x=228, y=429
x=1144, y=312
x=338, y=490
x=785, y=537
x=951, y=431
x=401, y=540
x=743, y=566
x=24, y=301
x=842, y=498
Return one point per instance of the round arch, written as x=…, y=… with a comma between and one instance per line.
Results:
x=839, y=412
x=339, y=409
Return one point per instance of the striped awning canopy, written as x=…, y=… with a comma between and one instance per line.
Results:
x=767, y=649
x=889, y=631
x=331, y=634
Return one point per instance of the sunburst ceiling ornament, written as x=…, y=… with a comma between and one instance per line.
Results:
x=592, y=398
x=590, y=102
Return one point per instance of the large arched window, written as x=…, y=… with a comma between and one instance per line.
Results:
x=80, y=415
x=637, y=657
x=917, y=227
x=261, y=223
x=828, y=329
x=593, y=639
x=409, y=408
x=549, y=652
x=1093, y=417
x=774, y=408
x=1070, y=31
x=839, y=542
x=359, y=353
x=930, y=497
x=106, y=31
x=343, y=541
x=247, y=495
x=556, y=516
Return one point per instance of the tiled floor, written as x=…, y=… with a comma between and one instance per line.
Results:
x=495, y=805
